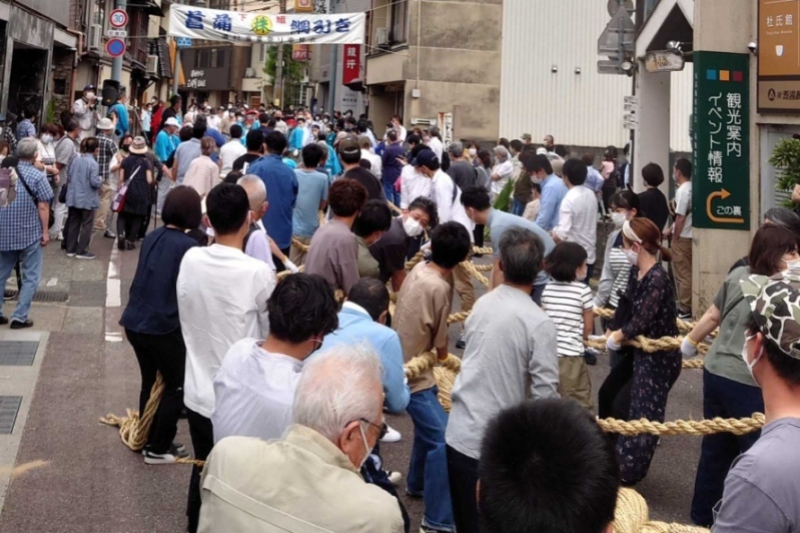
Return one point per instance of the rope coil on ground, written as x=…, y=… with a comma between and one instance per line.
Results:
x=132, y=430
x=633, y=516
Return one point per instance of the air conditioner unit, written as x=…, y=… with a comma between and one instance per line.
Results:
x=381, y=36
x=95, y=37
x=152, y=64
x=250, y=73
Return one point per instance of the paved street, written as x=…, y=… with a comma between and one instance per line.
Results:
x=71, y=474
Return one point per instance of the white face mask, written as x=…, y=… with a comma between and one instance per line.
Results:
x=89, y=96
x=473, y=152
x=633, y=257
x=792, y=265
x=366, y=446
x=412, y=227
x=619, y=219
x=47, y=138
x=751, y=366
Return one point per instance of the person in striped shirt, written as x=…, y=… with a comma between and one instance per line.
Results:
x=568, y=303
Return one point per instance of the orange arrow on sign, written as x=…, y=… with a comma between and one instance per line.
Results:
x=722, y=195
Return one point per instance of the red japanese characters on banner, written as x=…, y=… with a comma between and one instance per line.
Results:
x=351, y=66
x=301, y=52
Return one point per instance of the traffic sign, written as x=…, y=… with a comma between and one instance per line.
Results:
x=629, y=125
x=632, y=118
x=619, y=36
x=634, y=100
x=118, y=18
x=183, y=42
x=115, y=47
x=117, y=33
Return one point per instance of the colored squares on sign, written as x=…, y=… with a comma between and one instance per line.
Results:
x=725, y=75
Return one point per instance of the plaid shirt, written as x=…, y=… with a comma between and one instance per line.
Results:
x=8, y=136
x=20, y=226
x=26, y=129
x=108, y=149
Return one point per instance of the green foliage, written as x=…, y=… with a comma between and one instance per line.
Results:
x=293, y=71
x=503, y=200
x=50, y=112
x=786, y=160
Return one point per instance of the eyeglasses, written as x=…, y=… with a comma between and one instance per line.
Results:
x=382, y=429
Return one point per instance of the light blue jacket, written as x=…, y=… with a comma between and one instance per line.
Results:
x=355, y=327
x=553, y=191
x=84, y=182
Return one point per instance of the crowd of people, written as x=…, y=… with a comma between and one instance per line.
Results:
x=284, y=378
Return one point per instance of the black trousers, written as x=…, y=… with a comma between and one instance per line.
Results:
x=614, y=396
x=477, y=234
x=165, y=354
x=202, y=433
x=129, y=225
x=79, y=235
x=462, y=472
x=278, y=263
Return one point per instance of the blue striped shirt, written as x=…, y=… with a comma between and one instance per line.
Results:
x=20, y=226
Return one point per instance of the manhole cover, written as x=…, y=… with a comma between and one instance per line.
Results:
x=41, y=296
x=17, y=353
x=9, y=407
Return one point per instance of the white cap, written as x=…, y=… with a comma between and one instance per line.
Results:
x=171, y=121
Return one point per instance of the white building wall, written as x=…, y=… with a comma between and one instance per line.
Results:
x=583, y=109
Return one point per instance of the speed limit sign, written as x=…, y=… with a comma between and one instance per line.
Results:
x=118, y=18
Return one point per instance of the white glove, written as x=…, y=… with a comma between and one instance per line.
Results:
x=613, y=345
x=687, y=348
x=291, y=266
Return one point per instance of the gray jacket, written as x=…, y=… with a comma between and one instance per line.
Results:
x=84, y=182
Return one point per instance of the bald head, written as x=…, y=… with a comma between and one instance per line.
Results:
x=256, y=191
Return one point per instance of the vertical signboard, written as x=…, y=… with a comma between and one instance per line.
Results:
x=721, y=177
x=351, y=67
x=300, y=52
x=779, y=56
x=303, y=6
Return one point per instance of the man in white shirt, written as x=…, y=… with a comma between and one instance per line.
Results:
x=397, y=122
x=222, y=299
x=681, y=233
x=374, y=159
x=231, y=151
x=85, y=111
x=254, y=388
x=257, y=242
x=577, y=219
x=435, y=142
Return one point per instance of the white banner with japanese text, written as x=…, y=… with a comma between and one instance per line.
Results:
x=236, y=26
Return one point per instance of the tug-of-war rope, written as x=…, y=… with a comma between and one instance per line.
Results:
x=632, y=512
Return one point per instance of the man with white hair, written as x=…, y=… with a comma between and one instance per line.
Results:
x=23, y=231
x=309, y=480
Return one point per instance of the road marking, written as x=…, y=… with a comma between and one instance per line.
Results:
x=52, y=282
x=113, y=295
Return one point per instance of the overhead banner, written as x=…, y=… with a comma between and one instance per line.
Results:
x=236, y=26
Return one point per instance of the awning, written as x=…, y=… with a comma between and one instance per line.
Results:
x=161, y=49
x=65, y=39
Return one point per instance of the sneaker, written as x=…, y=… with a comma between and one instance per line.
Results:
x=395, y=477
x=591, y=357
x=177, y=449
x=392, y=435
x=19, y=324
x=152, y=458
x=120, y=243
x=3, y=321
x=108, y=234
x=684, y=315
x=461, y=343
x=85, y=255
x=70, y=254
x=129, y=245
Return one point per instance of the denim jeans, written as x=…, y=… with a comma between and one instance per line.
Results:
x=427, y=474
x=391, y=194
x=30, y=260
x=727, y=399
x=518, y=208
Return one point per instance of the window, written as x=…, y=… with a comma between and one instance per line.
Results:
x=204, y=58
x=214, y=58
x=399, y=21
x=262, y=52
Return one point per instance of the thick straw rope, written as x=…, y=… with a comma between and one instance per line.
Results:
x=649, y=345
x=683, y=325
x=632, y=516
x=737, y=426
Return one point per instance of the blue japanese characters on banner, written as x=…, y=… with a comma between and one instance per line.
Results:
x=235, y=26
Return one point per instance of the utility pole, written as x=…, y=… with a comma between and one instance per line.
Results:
x=176, y=70
x=116, y=65
x=278, y=81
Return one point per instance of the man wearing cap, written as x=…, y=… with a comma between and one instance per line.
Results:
x=527, y=138
x=350, y=154
x=84, y=111
x=107, y=151
x=762, y=490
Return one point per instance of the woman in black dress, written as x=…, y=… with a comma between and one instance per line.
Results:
x=638, y=385
x=138, y=172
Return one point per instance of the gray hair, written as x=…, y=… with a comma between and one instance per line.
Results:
x=337, y=387
x=456, y=149
x=27, y=148
x=501, y=152
x=255, y=188
x=521, y=252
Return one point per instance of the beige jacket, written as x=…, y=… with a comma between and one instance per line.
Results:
x=301, y=484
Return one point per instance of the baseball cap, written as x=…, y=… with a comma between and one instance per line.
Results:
x=527, y=137
x=89, y=87
x=349, y=145
x=775, y=303
x=172, y=121
x=426, y=158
